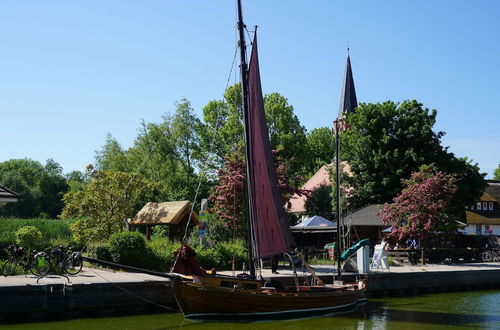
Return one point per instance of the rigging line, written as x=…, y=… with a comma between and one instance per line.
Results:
x=134, y=294
x=204, y=166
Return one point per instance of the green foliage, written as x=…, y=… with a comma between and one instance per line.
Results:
x=52, y=230
x=41, y=187
x=163, y=250
x=496, y=174
x=320, y=149
x=320, y=202
x=286, y=134
x=128, y=248
x=100, y=251
x=220, y=256
x=107, y=201
x=29, y=237
x=387, y=141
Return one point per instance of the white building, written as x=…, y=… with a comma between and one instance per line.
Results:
x=7, y=196
x=483, y=218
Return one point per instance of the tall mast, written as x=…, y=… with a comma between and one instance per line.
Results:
x=244, y=96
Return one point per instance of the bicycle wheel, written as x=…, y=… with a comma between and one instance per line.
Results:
x=39, y=265
x=8, y=268
x=73, y=265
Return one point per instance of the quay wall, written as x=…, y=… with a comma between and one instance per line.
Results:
x=25, y=302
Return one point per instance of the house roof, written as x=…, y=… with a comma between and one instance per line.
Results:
x=321, y=177
x=488, y=217
x=365, y=216
x=7, y=195
x=166, y=213
x=315, y=221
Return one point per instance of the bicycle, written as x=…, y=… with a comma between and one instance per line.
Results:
x=29, y=262
x=63, y=260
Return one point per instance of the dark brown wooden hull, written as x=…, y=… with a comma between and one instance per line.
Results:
x=204, y=301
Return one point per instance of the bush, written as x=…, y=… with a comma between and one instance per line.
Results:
x=129, y=248
x=163, y=250
x=100, y=251
x=29, y=237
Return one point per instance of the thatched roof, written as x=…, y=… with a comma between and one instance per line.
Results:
x=166, y=213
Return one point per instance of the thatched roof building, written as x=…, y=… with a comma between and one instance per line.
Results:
x=175, y=214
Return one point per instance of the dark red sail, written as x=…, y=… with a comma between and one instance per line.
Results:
x=271, y=226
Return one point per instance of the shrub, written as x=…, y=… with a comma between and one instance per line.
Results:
x=29, y=237
x=129, y=248
x=100, y=251
x=163, y=250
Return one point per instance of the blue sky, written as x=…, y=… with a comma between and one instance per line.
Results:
x=73, y=71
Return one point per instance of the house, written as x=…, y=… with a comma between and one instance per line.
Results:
x=483, y=217
x=365, y=222
x=7, y=195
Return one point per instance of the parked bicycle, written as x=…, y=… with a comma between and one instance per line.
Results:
x=33, y=262
x=62, y=260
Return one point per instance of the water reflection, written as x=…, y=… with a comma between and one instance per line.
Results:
x=479, y=309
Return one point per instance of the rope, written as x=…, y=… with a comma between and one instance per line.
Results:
x=133, y=294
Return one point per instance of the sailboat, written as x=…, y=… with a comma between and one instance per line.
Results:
x=206, y=296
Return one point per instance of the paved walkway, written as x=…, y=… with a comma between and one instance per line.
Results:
x=93, y=275
x=86, y=276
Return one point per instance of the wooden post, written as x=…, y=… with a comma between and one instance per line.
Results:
x=148, y=232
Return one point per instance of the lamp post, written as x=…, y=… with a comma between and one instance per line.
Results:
x=336, y=125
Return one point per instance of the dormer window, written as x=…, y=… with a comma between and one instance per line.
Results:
x=490, y=206
x=478, y=206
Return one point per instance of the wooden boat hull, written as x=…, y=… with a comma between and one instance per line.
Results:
x=203, y=301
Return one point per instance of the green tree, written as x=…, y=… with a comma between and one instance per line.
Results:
x=321, y=149
x=112, y=157
x=320, y=202
x=41, y=187
x=286, y=134
x=386, y=142
x=107, y=201
x=496, y=174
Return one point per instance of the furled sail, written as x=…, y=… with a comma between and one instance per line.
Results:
x=270, y=224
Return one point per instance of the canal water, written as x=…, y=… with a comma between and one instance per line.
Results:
x=457, y=310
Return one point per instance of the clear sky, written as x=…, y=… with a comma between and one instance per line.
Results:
x=73, y=71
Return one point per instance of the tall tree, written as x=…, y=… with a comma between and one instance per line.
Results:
x=496, y=174
x=105, y=203
x=320, y=149
x=41, y=187
x=388, y=141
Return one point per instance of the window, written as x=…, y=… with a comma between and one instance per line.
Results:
x=478, y=206
x=490, y=206
x=485, y=206
x=478, y=229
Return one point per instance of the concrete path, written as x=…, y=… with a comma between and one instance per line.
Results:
x=93, y=275
x=86, y=276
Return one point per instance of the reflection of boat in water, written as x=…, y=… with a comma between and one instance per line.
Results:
x=213, y=296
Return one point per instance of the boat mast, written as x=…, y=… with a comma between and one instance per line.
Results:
x=244, y=96
x=337, y=195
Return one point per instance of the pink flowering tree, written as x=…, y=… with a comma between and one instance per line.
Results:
x=423, y=208
x=229, y=196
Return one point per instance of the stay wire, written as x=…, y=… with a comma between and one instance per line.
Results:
x=204, y=166
x=133, y=294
